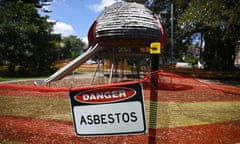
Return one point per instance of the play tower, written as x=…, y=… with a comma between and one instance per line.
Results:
x=120, y=40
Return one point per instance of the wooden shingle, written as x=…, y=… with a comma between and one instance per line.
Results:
x=124, y=21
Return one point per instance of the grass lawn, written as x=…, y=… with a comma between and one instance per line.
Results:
x=36, y=107
x=2, y=79
x=206, y=74
x=10, y=142
x=8, y=79
x=82, y=69
x=170, y=114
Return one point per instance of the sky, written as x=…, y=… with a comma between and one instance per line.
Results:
x=74, y=17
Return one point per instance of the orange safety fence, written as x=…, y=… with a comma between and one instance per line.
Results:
x=189, y=111
x=167, y=81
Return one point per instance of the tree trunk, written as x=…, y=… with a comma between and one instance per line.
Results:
x=219, y=55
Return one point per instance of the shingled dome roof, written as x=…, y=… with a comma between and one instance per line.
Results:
x=129, y=24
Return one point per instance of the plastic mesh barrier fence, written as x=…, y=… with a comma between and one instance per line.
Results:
x=188, y=111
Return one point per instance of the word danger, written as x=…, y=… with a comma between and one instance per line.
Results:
x=105, y=95
x=111, y=118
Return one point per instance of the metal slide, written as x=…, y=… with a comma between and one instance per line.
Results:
x=71, y=66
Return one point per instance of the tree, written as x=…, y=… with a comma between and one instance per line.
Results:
x=70, y=47
x=26, y=39
x=214, y=22
x=37, y=3
x=219, y=24
x=162, y=8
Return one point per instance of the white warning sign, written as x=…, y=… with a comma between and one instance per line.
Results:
x=109, y=111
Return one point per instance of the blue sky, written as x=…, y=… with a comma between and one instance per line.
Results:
x=74, y=17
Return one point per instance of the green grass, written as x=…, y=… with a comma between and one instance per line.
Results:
x=207, y=74
x=8, y=79
x=175, y=114
x=10, y=142
x=77, y=71
x=169, y=114
x=36, y=107
x=2, y=79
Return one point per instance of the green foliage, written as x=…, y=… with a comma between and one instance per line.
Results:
x=37, y=3
x=219, y=24
x=26, y=42
x=70, y=47
x=191, y=60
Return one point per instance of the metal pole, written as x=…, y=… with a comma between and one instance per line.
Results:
x=111, y=73
x=94, y=75
x=153, y=100
x=172, y=45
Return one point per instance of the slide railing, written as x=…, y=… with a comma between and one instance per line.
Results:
x=71, y=66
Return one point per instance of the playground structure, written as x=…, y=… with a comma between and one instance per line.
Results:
x=120, y=40
x=189, y=111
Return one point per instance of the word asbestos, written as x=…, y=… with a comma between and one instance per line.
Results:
x=110, y=118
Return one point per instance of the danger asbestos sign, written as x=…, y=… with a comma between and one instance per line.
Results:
x=110, y=110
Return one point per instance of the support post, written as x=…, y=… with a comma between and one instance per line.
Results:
x=153, y=97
